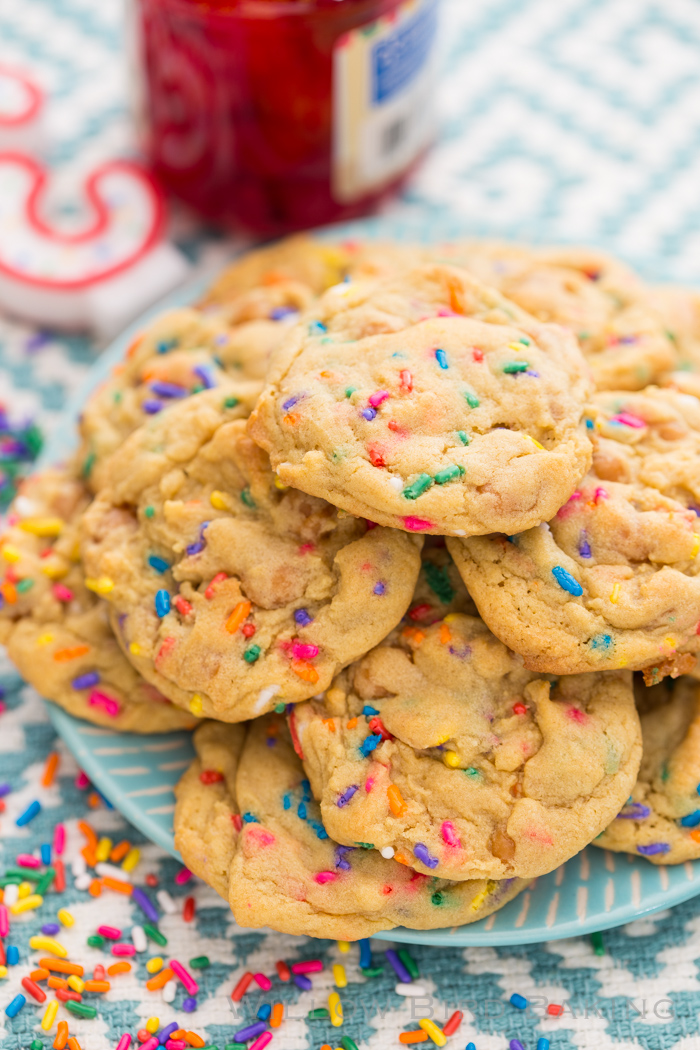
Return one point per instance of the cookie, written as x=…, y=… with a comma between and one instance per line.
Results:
x=679, y=310
x=246, y=823
x=233, y=594
x=428, y=403
x=180, y=353
x=606, y=306
x=441, y=748
x=56, y=631
x=611, y=581
x=661, y=820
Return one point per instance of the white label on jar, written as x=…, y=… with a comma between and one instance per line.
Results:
x=383, y=78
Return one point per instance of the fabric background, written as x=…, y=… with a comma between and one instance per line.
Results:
x=569, y=120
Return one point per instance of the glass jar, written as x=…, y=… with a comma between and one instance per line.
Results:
x=281, y=114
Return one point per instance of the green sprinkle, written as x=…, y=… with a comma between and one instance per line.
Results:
x=471, y=399
x=439, y=582
x=448, y=474
x=437, y=899
x=252, y=654
x=22, y=874
x=319, y=1014
x=45, y=881
x=36, y=1045
x=230, y=402
x=472, y=772
x=88, y=464
x=409, y=962
x=247, y=498
x=525, y=341
x=365, y=845
x=463, y=437
x=515, y=366
x=10, y=880
x=350, y=390
x=597, y=942
x=154, y=933
x=117, y=396
x=418, y=487
x=149, y=512
x=372, y=971
x=80, y=1009
x=96, y=940
x=348, y=1044
x=24, y=585
x=200, y=962
x=234, y=1046
x=664, y=772
x=197, y=389
x=279, y=709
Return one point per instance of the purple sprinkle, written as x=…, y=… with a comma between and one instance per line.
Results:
x=530, y=372
x=634, y=811
x=281, y=312
x=85, y=681
x=398, y=967
x=251, y=1031
x=302, y=617
x=424, y=857
x=162, y=389
x=584, y=548
x=369, y=413
x=146, y=906
x=347, y=795
x=291, y=401
x=36, y=341
x=166, y=1032
x=379, y=588
x=301, y=982
x=462, y=653
x=205, y=375
x=628, y=340
x=695, y=509
x=5, y=789
x=189, y=1005
x=270, y=741
x=340, y=861
x=151, y=406
x=196, y=547
x=653, y=849
x=50, y=929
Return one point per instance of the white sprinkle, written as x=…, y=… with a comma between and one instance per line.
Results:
x=110, y=871
x=11, y=894
x=387, y=852
x=340, y=289
x=266, y=694
x=26, y=507
x=410, y=989
x=82, y=882
x=78, y=865
x=138, y=938
x=169, y=991
x=396, y=484
x=460, y=532
x=166, y=902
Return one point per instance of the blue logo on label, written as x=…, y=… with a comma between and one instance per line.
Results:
x=400, y=57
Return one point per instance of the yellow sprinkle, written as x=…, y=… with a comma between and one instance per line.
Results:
x=101, y=585
x=49, y=1015
x=450, y=618
x=670, y=641
x=517, y=347
x=25, y=890
x=155, y=964
x=451, y=759
x=54, y=571
x=339, y=976
x=279, y=484
x=134, y=649
x=220, y=501
x=131, y=859
x=42, y=526
x=481, y=897
x=343, y=946
x=196, y=705
x=534, y=442
x=152, y=1024
x=3, y=971
x=103, y=849
x=11, y=553
x=48, y=944
x=615, y=593
x=76, y=984
x=437, y=1036
x=28, y=903
x=65, y=917
x=44, y=639
x=443, y=740
x=335, y=1008
x=696, y=544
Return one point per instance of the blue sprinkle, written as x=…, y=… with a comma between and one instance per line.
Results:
x=301, y=981
x=421, y=852
x=170, y=390
x=159, y=564
x=347, y=795
x=13, y=1008
x=369, y=413
x=369, y=744
x=589, y=424
x=365, y=954
x=264, y=1012
x=86, y=681
x=542, y=1043
x=368, y=710
x=379, y=588
x=250, y=818
x=691, y=821
x=162, y=603
x=165, y=345
x=471, y=1046
x=30, y=812
x=45, y=850
x=518, y=1001
x=321, y=832
x=306, y=790
x=301, y=811
x=567, y=581
x=286, y=801
x=50, y=929
x=302, y=617
x=604, y=641
x=317, y=328
x=12, y=954
x=203, y=373
x=653, y=849
x=441, y=358
x=151, y=406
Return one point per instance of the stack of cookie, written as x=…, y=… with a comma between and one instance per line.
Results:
x=398, y=524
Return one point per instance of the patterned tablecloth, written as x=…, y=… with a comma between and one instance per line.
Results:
x=574, y=120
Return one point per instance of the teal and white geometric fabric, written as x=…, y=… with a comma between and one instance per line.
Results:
x=574, y=120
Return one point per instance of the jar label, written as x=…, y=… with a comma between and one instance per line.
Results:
x=383, y=79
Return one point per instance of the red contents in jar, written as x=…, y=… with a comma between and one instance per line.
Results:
x=241, y=104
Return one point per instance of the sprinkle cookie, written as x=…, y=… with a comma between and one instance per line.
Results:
x=428, y=403
x=249, y=809
x=661, y=819
x=233, y=594
x=55, y=629
x=441, y=749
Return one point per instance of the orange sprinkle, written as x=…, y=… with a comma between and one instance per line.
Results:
x=50, y=769
x=414, y=635
x=61, y=1035
x=276, y=1015
x=305, y=671
x=120, y=967
x=61, y=966
x=445, y=637
x=73, y=1044
x=239, y=615
x=193, y=1039
x=89, y=853
x=95, y=888
x=179, y=1033
x=120, y=851
x=413, y=1037
x=396, y=802
x=57, y=982
x=9, y=592
x=63, y=655
x=291, y=419
x=352, y=723
x=97, y=986
x=88, y=831
x=118, y=885
x=160, y=979
x=695, y=835
x=457, y=301
x=94, y=801
x=329, y=723
x=39, y=975
x=402, y=859
x=133, y=347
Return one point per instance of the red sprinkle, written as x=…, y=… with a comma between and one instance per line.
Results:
x=209, y=592
x=519, y=708
x=188, y=909
x=242, y=987
x=34, y=990
x=451, y=1026
x=477, y=355
x=419, y=611
x=248, y=630
x=237, y=821
x=182, y=605
x=64, y=995
x=283, y=971
x=152, y=880
x=555, y=1010
x=59, y=881
x=211, y=776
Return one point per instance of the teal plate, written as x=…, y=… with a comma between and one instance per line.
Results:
x=593, y=891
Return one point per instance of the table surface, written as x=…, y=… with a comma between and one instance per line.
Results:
x=570, y=121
